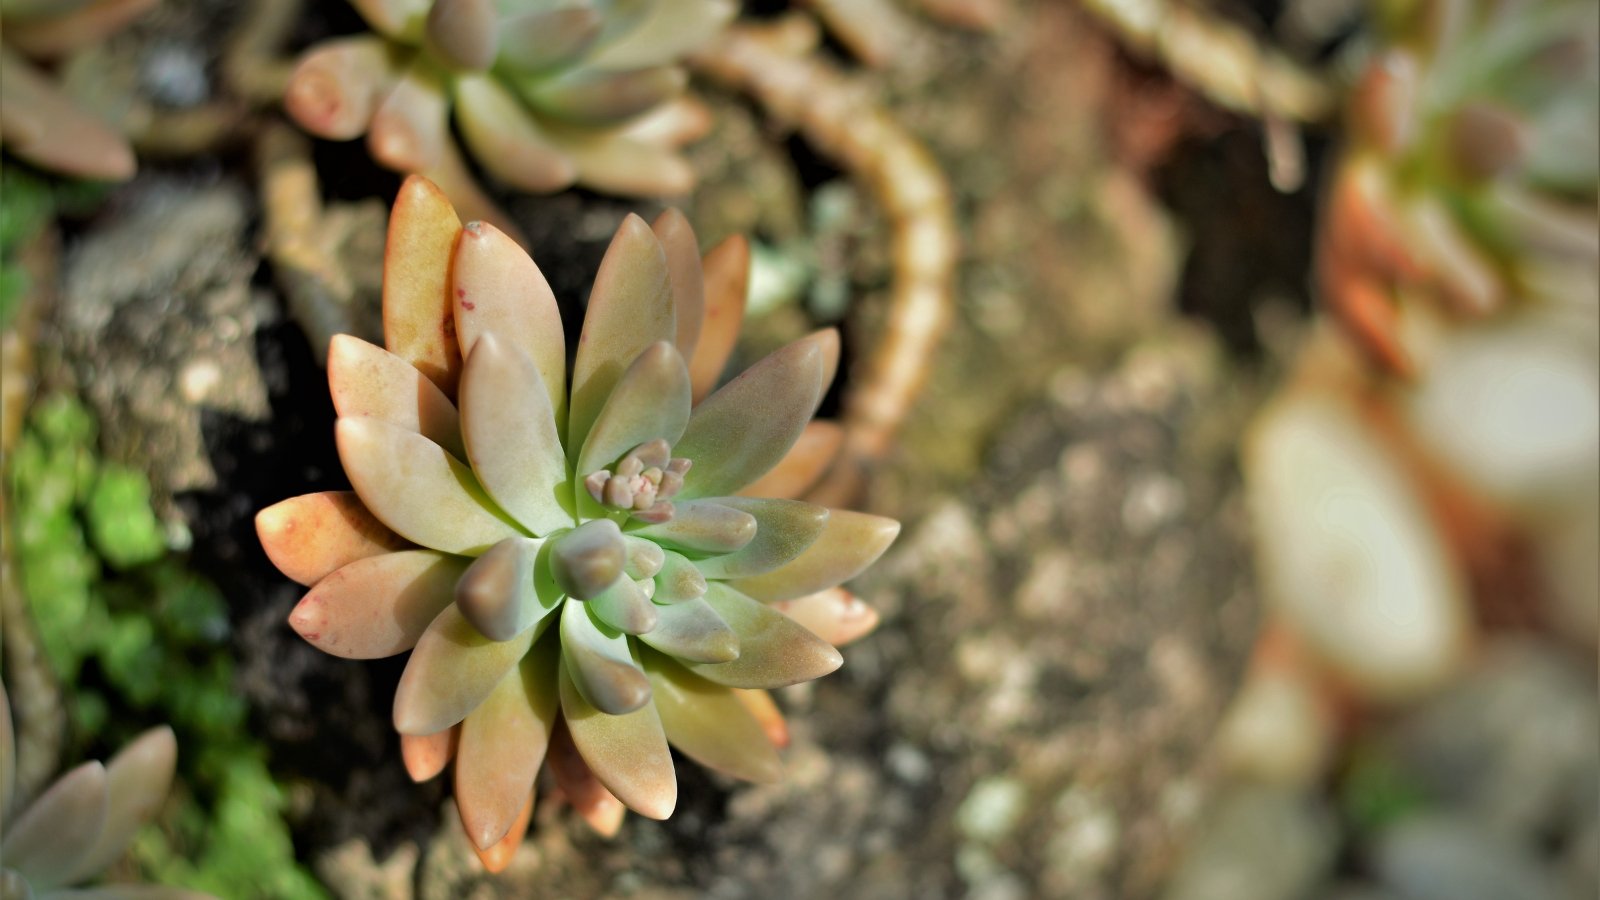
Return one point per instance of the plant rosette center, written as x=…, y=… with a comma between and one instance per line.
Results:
x=587, y=566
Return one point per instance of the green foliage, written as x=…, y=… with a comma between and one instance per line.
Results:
x=141, y=639
x=32, y=199
x=1376, y=791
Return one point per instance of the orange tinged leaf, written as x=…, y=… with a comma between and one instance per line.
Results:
x=378, y=606
x=426, y=755
x=418, y=318
x=803, y=465
x=726, y=277
x=310, y=536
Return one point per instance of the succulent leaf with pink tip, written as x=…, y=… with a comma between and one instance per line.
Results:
x=577, y=569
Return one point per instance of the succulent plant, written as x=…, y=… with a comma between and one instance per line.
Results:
x=39, y=122
x=574, y=559
x=1470, y=179
x=84, y=821
x=545, y=93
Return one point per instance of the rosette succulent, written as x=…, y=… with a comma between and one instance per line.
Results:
x=39, y=122
x=1470, y=179
x=575, y=560
x=83, y=822
x=545, y=93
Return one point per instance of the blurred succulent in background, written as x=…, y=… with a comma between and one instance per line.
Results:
x=1441, y=482
x=545, y=94
x=39, y=122
x=576, y=561
x=1470, y=179
x=84, y=821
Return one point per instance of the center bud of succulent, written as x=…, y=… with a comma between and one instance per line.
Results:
x=643, y=483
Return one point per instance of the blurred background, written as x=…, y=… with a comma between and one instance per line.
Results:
x=1233, y=366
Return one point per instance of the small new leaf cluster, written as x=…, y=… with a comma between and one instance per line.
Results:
x=575, y=560
x=84, y=821
x=545, y=94
x=39, y=123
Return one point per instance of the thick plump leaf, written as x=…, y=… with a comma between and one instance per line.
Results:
x=590, y=96
x=310, y=536
x=378, y=606
x=803, y=465
x=416, y=488
x=418, y=323
x=396, y=18
x=703, y=526
x=683, y=267
x=497, y=857
x=597, y=657
x=835, y=615
x=709, y=724
x=726, y=274
x=598, y=807
x=625, y=607
x=503, y=744
x=588, y=559
x=627, y=753
x=506, y=139
x=548, y=39
x=367, y=380
x=849, y=543
x=740, y=432
x=137, y=781
x=451, y=671
x=669, y=32
x=613, y=161
x=645, y=558
x=784, y=529
x=496, y=288
x=650, y=401
x=497, y=593
x=411, y=126
x=463, y=33
x=511, y=435
x=761, y=705
x=55, y=834
x=691, y=630
x=630, y=308
x=774, y=651
x=426, y=755
x=678, y=580
x=336, y=86
x=44, y=127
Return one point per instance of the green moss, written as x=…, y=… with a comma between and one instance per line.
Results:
x=140, y=639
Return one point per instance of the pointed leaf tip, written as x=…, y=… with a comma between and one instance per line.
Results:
x=744, y=429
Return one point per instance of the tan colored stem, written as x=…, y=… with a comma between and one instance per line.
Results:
x=773, y=65
x=1220, y=60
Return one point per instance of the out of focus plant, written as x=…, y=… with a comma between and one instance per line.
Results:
x=39, y=122
x=31, y=200
x=83, y=822
x=545, y=94
x=133, y=631
x=584, y=563
x=1470, y=176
